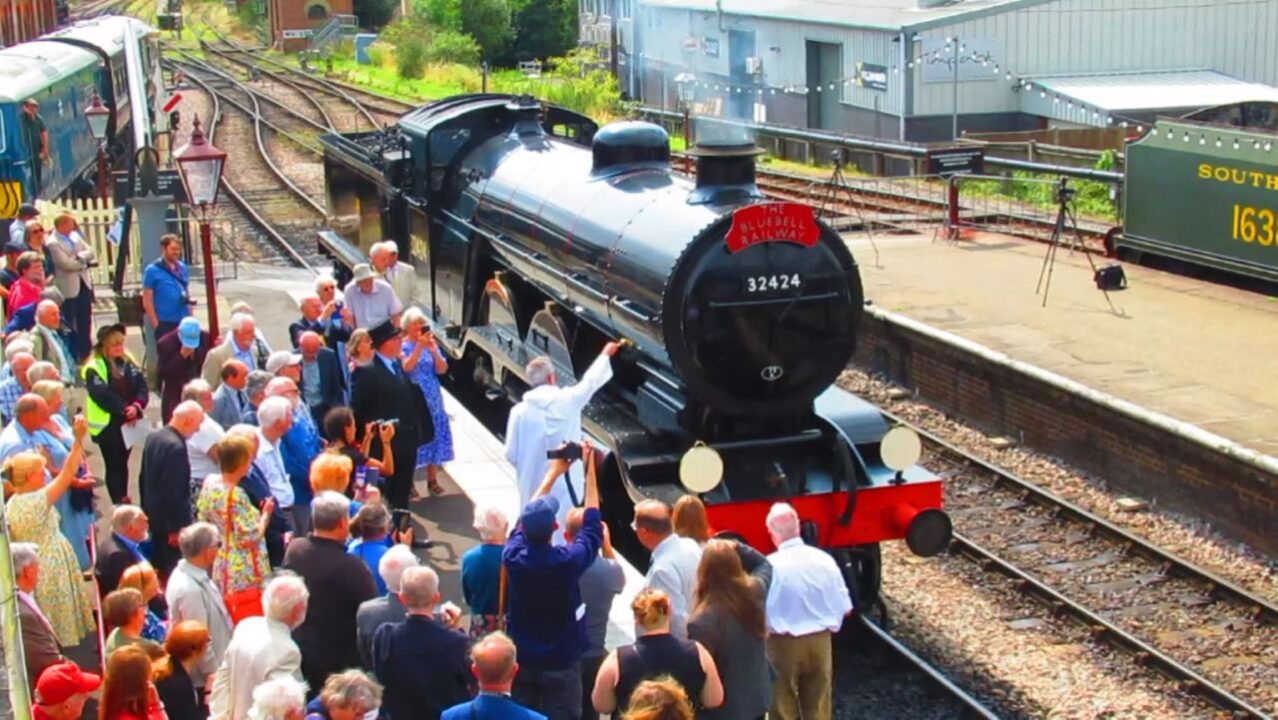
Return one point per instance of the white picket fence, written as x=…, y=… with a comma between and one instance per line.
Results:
x=95, y=217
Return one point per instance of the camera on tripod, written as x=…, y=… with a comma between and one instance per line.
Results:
x=1064, y=193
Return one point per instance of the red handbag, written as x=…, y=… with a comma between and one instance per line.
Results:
x=244, y=603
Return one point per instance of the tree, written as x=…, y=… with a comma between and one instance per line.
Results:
x=488, y=21
x=543, y=28
x=373, y=14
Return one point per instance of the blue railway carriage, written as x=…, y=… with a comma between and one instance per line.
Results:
x=61, y=70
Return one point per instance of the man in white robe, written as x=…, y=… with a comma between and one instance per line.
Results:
x=547, y=417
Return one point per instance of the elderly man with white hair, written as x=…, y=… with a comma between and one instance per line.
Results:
x=279, y=699
x=261, y=649
x=192, y=595
x=481, y=571
x=16, y=384
x=242, y=343
x=165, y=496
x=201, y=447
x=40, y=645
x=47, y=342
x=806, y=604
x=421, y=661
x=299, y=447
x=402, y=277
x=121, y=547
x=338, y=582
x=275, y=418
x=330, y=320
x=549, y=416
x=388, y=608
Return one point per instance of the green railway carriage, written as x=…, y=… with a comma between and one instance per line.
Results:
x=1204, y=194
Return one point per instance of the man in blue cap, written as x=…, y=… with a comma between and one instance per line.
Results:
x=544, y=609
x=181, y=355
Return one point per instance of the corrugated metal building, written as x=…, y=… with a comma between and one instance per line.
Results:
x=884, y=67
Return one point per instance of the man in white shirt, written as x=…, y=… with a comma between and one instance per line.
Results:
x=201, y=448
x=192, y=595
x=674, y=560
x=261, y=649
x=806, y=604
x=549, y=416
x=401, y=276
x=275, y=419
x=371, y=299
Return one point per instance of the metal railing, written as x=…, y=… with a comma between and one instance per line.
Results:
x=336, y=28
x=889, y=149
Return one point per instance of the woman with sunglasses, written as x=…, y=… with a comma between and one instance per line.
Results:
x=424, y=362
x=36, y=237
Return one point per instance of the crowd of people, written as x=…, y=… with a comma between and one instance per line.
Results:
x=267, y=569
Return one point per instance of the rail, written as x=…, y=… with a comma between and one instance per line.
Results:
x=1101, y=628
x=971, y=707
x=854, y=142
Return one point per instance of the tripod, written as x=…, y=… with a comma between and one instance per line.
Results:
x=839, y=182
x=1064, y=214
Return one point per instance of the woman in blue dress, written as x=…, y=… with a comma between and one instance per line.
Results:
x=76, y=505
x=424, y=362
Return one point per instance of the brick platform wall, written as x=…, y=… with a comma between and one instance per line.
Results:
x=1189, y=475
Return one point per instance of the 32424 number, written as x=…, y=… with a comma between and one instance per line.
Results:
x=772, y=283
x=1258, y=225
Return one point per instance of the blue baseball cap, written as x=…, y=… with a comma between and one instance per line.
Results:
x=189, y=332
x=538, y=518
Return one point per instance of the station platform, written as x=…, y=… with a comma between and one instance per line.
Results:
x=1190, y=349
x=479, y=474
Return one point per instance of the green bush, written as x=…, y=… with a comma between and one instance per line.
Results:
x=450, y=46
x=410, y=57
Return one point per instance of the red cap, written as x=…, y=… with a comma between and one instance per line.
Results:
x=59, y=682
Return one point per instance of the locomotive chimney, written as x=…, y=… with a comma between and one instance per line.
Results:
x=725, y=172
x=526, y=111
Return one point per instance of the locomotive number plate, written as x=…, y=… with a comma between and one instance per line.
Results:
x=762, y=284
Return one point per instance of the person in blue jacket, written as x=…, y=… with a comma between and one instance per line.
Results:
x=494, y=664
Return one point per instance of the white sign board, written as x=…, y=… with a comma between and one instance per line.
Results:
x=297, y=34
x=976, y=57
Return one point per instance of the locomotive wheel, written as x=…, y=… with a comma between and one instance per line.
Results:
x=862, y=568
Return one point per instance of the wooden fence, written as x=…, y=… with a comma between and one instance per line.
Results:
x=95, y=219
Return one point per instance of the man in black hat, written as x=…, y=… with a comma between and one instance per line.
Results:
x=381, y=391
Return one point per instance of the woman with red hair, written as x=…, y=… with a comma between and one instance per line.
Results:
x=127, y=690
x=185, y=646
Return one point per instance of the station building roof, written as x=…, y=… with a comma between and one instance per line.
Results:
x=888, y=15
x=1091, y=99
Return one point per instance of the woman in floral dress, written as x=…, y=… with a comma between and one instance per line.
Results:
x=61, y=592
x=242, y=562
x=424, y=362
x=76, y=505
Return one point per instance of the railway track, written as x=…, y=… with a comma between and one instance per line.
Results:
x=278, y=208
x=1208, y=636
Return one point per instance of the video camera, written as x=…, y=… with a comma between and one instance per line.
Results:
x=1064, y=193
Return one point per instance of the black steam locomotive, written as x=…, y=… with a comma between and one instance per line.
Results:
x=535, y=232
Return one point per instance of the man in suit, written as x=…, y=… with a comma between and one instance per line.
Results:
x=229, y=400
x=261, y=649
x=241, y=344
x=72, y=257
x=337, y=583
x=374, y=613
x=181, y=356
x=192, y=595
x=39, y=643
x=420, y=661
x=402, y=277
x=119, y=550
x=381, y=390
x=321, y=381
x=164, y=481
x=331, y=320
x=47, y=343
x=493, y=662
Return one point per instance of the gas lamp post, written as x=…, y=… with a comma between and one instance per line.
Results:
x=200, y=166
